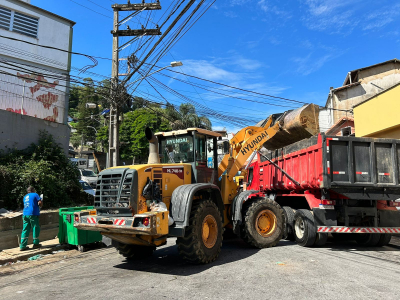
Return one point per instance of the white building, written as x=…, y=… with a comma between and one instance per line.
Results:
x=358, y=86
x=34, y=80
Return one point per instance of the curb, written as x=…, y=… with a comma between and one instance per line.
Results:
x=24, y=256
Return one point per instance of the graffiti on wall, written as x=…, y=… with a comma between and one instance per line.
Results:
x=33, y=95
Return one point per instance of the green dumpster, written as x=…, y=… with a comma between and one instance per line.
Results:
x=68, y=234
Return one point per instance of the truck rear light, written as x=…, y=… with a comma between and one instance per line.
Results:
x=328, y=202
x=76, y=218
x=394, y=204
x=146, y=221
x=93, y=212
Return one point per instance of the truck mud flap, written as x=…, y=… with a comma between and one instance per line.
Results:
x=324, y=217
x=389, y=218
x=237, y=205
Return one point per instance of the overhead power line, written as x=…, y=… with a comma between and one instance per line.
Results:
x=54, y=48
x=99, y=5
x=241, y=89
x=91, y=9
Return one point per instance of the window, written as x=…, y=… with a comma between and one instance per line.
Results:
x=177, y=149
x=85, y=185
x=250, y=176
x=88, y=173
x=201, y=149
x=18, y=22
x=346, y=131
x=210, y=153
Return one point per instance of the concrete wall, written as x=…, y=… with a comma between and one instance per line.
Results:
x=18, y=131
x=325, y=119
x=372, y=81
x=52, y=31
x=11, y=228
x=390, y=133
x=44, y=97
x=379, y=116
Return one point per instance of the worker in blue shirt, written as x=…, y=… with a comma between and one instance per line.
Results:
x=32, y=205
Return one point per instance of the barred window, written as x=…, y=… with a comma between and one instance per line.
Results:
x=18, y=22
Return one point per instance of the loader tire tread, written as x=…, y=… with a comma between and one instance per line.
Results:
x=248, y=231
x=191, y=247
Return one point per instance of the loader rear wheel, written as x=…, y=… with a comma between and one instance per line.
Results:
x=304, y=228
x=203, y=237
x=134, y=251
x=384, y=240
x=289, y=220
x=263, y=224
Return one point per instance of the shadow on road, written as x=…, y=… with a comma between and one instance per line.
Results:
x=166, y=260
x=352, y=245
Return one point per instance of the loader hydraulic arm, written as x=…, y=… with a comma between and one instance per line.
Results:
x=242, y=145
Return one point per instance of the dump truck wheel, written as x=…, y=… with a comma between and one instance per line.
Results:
x=304, y=228
x=288, y=233
x=321, y=239
x=368, y=239
x=263, y=224
x=134, y=251
x=343, y=237
x=384, y=240
x=203, y=237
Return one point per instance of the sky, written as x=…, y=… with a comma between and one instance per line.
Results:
x=295, y=49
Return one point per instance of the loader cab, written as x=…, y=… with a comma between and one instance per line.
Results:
x=195, y=146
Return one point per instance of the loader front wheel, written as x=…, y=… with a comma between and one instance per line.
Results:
x=263, y=223
x=203, y=237
x=134, y=251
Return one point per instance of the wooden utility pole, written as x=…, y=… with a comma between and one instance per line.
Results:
x=113, y=151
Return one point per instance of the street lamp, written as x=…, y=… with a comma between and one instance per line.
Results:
x=95, y=146
x=92, y=128
x=171, y=65
x=91, y=105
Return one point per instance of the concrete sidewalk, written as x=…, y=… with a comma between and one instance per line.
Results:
x=14, y=254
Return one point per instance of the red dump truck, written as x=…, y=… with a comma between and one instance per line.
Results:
x=337, y=185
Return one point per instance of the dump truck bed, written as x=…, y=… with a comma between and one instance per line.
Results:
x=357, y=168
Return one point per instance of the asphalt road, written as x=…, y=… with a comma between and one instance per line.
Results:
x=336, y=271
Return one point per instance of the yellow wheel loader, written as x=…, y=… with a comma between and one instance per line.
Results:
x=182, y=192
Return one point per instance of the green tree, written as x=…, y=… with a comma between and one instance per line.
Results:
x=73, y=100
x=87, y=116
x=132, y=136
x=102, y=136
x=186, y=116
x=44, y=166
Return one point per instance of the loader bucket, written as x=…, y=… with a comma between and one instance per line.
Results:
x=296, y=125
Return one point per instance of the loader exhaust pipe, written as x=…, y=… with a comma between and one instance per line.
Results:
x=154, y=157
